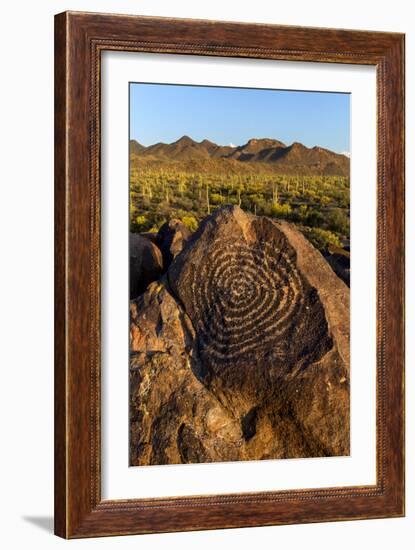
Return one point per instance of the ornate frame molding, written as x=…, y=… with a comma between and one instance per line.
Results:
x=79, y=40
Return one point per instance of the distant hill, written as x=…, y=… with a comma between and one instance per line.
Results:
x=135, y=147
x=265, y=154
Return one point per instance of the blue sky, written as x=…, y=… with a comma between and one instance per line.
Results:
x=164, y=112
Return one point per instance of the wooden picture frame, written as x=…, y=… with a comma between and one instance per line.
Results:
x=79, y=40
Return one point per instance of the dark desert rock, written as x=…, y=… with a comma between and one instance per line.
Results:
x=173, y=417
x=339, y=260
x=243, y=352
x=146, y=264
x=172, y=237
x=153, y=237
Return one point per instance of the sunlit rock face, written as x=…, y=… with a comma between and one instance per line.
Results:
x=242, y=351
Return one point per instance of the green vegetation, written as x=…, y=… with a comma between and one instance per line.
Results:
x=318, y=205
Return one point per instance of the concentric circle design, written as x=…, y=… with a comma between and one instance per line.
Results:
x=246, y=299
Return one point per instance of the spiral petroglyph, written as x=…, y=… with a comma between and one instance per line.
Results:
x=245, y=296
x=250, y=305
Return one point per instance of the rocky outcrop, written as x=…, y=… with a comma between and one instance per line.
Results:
x=172, y=237
x=242, y=351
x=339, y=260
x=153, y=237
x=146, y=264
x=152, y=253
x=173, y=417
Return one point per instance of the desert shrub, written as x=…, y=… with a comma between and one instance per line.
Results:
x=325, y=201
x=281, y=210
x=314, y=218
x=216, y=198
x=190, y=222
x=140, y=224
x=320, y=238
x=299, y=214
x=338, y=221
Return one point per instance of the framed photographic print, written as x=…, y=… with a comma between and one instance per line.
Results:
x=229, y=280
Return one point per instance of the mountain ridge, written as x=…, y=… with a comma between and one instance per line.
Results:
x=295, y=158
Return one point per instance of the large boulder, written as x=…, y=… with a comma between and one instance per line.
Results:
x=173, y=417
x=261, y=312
x=242, y=351
x=172, y=237
x=146, y=264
